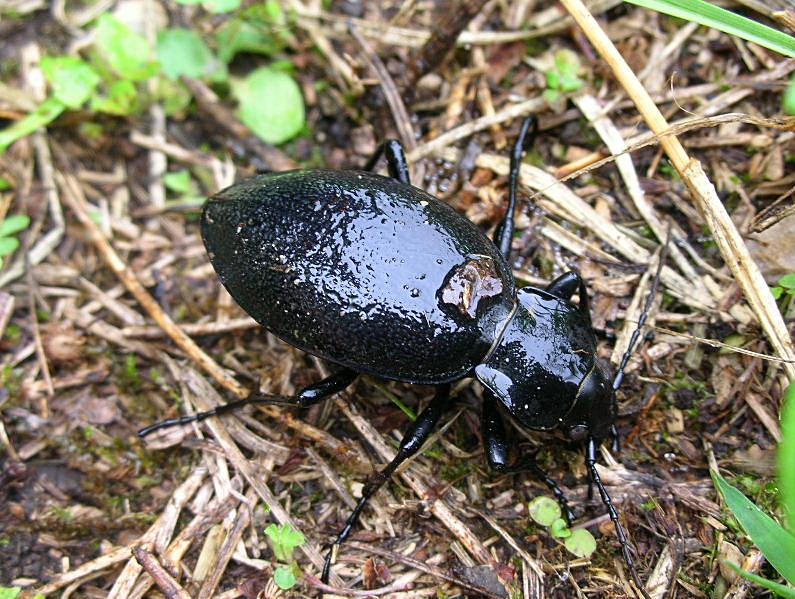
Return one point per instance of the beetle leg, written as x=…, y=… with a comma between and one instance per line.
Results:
x=590, y=462
x=615, y=437
x=397, y=165
x=495, y=440
x=566, y=285
x=504, y=232
x=412, y=441
x=308, y=396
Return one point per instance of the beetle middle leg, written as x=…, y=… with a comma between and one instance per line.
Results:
x=496, y=442
x=306, y=397
x=413, y=440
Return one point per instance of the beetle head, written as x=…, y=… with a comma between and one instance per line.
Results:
x=544, y=371
x=594, y=411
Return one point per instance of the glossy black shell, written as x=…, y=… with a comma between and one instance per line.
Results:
x=545, y=353
x=360, y=270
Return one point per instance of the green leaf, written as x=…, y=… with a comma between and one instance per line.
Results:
x=45, y=114
x=787, y=281
x=271, y=105
x=284, y=540
x=178, y=182
x=14, y=224
x=718, y=18
x=183, y=52
x=174, y=96
x=544, y=510
x=127, y=53
x=581, y=543
x=238, y=35
x=5, y=184
x=122, y=99
x=778, y=589
x=9, y=592
x=189, y=2
x=788, y=98
x=72, y=80
x=786, y=455
x=284, y=578
x=777, y=545
x=221, y=6
x=559, y=529
x=776, y=292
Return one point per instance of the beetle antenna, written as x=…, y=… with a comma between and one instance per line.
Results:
x=633, y=340
x=590, y=461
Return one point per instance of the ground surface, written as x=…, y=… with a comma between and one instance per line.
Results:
x=85, y=366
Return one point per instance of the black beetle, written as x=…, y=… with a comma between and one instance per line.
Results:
x=381, y=278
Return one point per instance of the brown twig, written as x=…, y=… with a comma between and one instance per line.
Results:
x=164, y=581
x=442, y=40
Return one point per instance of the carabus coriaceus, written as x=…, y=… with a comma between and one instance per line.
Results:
x=382, y=278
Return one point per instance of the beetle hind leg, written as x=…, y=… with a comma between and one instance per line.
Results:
x=413, y=440
x=397, y=165
x=504, y=232
x=495, y=439
x=306, y=397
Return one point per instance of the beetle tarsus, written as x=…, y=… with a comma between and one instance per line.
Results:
x=590, y=462
x=306, y=397
x=419, y=432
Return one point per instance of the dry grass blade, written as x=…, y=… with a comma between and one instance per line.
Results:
x=702, y=191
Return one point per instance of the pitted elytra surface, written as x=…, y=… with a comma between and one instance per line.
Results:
x=349, y=265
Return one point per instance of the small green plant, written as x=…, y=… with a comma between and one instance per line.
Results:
x=563, y=78
x=9, y=228
x=118, y=63
x=546, y=512
x=784, y=291
x=284, y=541
x=773, y=540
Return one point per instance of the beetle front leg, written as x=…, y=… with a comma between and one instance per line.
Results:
x=413, y=440
x=497, y=453
x=397, y=165
x=306, y=397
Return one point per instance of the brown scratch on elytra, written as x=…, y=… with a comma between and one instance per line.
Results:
x=470, y=282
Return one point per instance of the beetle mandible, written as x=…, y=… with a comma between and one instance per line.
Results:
x=381, y=278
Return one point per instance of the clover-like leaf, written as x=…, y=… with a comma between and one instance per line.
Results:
x=183, y=52
x=126, y=52
x=271, y=105
x=544, y=510
x=284, y=577
x=72, y=80
x=284, y=540
x=581, y=543
x=559, y=529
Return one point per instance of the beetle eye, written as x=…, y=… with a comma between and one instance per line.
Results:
x=578, y=432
